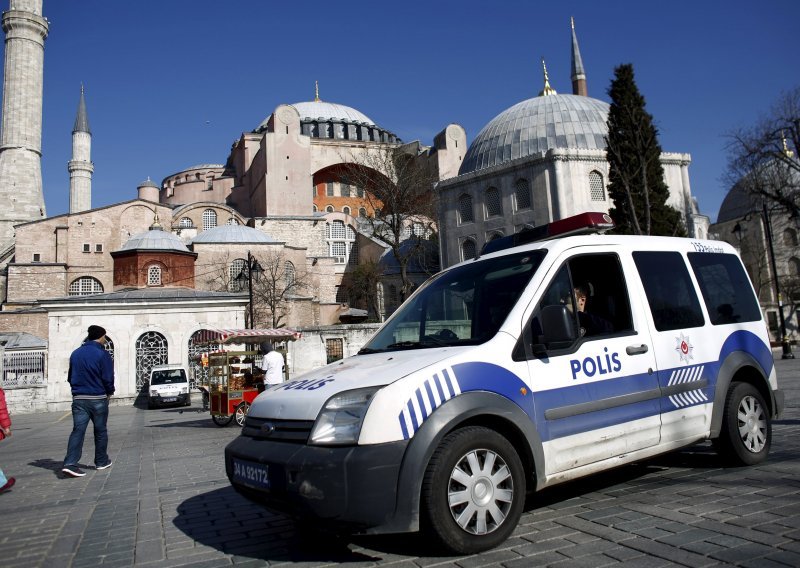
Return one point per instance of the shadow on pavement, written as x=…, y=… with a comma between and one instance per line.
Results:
x=204, y=422
x=227, y=522
x=54, y=466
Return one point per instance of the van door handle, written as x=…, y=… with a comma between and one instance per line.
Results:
x=636, y=349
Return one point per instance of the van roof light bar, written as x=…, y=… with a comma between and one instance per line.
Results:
x=581, y=224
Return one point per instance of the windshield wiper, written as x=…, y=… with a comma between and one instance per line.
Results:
x=367, y=351
x=405, y=345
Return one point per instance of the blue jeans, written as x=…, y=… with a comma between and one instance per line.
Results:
x=82, y=412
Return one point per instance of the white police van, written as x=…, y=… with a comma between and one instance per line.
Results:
x=489, y=382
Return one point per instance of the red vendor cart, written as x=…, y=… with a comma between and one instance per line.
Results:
x=234, y=378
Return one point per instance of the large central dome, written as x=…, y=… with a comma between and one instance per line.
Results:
x=537, y=125
x=322, y=109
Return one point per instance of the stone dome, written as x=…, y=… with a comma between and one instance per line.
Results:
x=537, y=125
x=155, y=239
x=317, y=109
x=233, y=234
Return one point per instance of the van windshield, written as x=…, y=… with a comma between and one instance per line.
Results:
x=463, y=306
x=168, y=377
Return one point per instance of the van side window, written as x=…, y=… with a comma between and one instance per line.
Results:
x=669, y=290
x=587, y=299
x=725, y=288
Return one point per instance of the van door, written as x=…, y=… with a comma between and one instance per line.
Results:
x=591, y=364
x=686, y=348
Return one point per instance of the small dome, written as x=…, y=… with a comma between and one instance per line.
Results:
x=155, y=239
x=149, y=183
x=232, y=234
x=537, y=125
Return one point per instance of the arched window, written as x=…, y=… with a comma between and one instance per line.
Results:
x=494, y=236
x=109, y=346
x=196, y=347
x=338, y=230
x=235, y=270
x=790, y=237
x=289, y=274
x=494, y=206
x=85, y=286
x=465, y=209
x=346, y=210
x=393, y=299
x=522, y=194
x=151, y=350
x=314, y=208
x=185, y=223
x=329, y=209
x=232, y=221
x=362, y=212
x=154, y=275
x=794, y=266
x=468, y=249
x=209, y=219
x=596, y=190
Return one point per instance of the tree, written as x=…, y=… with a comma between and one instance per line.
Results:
x=361, y=286
x=636, y=176
x=398, y=186
x=762, y=159
x=273, y=290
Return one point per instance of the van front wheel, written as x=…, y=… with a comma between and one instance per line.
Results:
x=746, y=432
x=473, y=491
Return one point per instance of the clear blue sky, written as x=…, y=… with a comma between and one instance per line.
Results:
x=172, y=83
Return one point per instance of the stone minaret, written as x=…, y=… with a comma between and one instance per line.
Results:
x=80, y=166
x=21, y=137
x=578, y=74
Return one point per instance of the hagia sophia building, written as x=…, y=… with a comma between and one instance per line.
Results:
x=159, y=268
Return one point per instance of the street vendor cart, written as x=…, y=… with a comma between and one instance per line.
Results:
x=234, y=376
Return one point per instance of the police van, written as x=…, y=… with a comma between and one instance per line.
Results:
x=551, y=356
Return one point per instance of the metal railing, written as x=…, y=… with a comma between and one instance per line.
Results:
x=24, y=368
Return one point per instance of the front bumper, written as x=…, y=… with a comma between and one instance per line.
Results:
x=180, y=399
x=352, y=487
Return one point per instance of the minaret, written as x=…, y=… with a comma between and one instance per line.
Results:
x=80, y=166
x=578, y=74
x=21, y=136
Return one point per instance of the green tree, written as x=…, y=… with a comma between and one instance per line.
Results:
x=636, y=177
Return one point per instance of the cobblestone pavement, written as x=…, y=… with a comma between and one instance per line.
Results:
x=166, y=502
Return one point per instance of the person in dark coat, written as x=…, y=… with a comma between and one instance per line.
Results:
x=91, y=376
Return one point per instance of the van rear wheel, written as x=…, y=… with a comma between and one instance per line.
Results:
x=746, y=433
x=473, y=491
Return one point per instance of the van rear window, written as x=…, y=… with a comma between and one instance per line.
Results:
x=725, y=288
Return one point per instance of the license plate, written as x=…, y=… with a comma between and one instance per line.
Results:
x=251, y=474
x=170, y=399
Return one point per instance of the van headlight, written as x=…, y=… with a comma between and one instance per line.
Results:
x=339, y=421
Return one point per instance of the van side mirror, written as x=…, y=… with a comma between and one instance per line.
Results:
x=558, y=329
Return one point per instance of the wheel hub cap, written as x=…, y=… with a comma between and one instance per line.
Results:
x=480, y=492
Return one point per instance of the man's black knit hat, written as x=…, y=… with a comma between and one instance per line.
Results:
x=95, y=333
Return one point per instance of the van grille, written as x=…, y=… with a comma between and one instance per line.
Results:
x=292, y=431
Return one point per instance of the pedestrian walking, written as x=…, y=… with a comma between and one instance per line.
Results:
x=91, y=376
x=272, y=364
x=5, y=431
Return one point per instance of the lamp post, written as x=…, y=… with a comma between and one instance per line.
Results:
x=785, y=346
x=250, y=271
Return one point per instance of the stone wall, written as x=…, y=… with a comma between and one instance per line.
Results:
x=308, y=353
x=33, y=322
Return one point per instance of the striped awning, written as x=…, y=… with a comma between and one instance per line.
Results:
x=226, y=336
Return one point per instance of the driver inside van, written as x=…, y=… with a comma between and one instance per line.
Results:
x=591, y=324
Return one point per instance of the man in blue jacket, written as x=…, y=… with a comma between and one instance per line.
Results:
x=91, y=376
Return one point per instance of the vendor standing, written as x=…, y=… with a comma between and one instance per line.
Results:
x=272, y=364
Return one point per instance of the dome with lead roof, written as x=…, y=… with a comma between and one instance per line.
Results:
x=537, y=125
x=232, y=234
x=155, y=239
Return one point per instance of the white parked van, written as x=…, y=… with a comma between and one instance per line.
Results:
x=169, y=384
x=547, y=358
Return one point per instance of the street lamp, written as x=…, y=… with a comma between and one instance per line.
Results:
x=250, y=271
x=737, y=230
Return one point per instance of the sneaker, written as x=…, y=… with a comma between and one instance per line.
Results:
x=108, y=465
x=9, y=484
x=73, y=471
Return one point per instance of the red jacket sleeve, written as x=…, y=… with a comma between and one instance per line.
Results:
x=5, y=420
